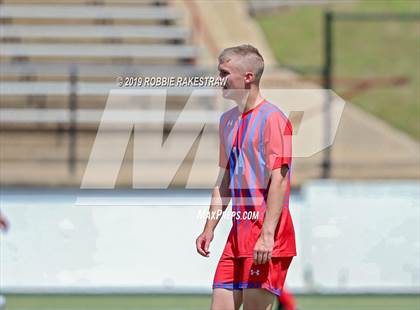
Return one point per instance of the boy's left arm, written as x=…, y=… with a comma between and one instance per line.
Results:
x=265, y=243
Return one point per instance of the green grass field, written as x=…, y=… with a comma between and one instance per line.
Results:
x=177, y=302
x=374, y=52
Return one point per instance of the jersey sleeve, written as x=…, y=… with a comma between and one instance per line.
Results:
x=278, y=133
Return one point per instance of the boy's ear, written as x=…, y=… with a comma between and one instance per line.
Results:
x=249, y=77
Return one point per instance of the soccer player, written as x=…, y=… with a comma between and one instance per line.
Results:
x=3, y=223
x=286, y=301
x=255, y=159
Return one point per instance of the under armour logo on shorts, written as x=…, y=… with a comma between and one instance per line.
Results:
x=256, y=272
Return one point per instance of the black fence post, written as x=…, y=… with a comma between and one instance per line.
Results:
x=72, y=156
x=327, y=85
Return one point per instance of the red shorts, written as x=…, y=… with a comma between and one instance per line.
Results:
x=239, y=273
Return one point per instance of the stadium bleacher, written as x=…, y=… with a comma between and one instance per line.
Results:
x=60, y=60
x=90, y=14
x=90, y=33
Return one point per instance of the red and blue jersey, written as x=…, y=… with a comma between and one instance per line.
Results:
x=252, y=144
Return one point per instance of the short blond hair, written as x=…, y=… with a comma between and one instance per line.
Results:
x=252, y=58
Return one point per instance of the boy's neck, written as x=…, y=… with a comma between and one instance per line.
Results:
x=252, y=101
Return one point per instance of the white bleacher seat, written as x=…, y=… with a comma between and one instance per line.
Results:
x=63, y=32
x=87, y=2
x=92, y=71
x=62, y=12
x=74, y=51
x=83, y=88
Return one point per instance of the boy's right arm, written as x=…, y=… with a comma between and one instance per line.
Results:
x=219, y=201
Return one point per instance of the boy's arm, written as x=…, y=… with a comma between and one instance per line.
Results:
x=276, y=193
x=219, y=201
x=278, y=153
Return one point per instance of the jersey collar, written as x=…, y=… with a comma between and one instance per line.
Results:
x=253, y=109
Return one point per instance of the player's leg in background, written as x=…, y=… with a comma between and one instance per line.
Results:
x=257, y=299
x=280, y=306
x=224, y=299
x=286, y=301
x=2, y=302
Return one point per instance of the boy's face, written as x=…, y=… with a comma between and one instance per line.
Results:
x=235, y=78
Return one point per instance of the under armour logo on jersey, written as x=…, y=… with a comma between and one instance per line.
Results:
x=255, y=273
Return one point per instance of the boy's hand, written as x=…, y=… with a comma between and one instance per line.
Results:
x=263, y=249
x=203, y=243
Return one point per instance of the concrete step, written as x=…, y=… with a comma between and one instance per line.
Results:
x=54, y=146
x=93, y=34
x=56, y=95
x=48, y=163
x=98, y=53
x=84, y=119
x=87, y=89
x=56, y=174
x=87, y=2
x=62, y=14
x=93, y=72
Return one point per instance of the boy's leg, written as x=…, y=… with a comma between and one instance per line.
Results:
x=257, y=299
x=225, y=299
x=264, y=282
x=226, y=291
